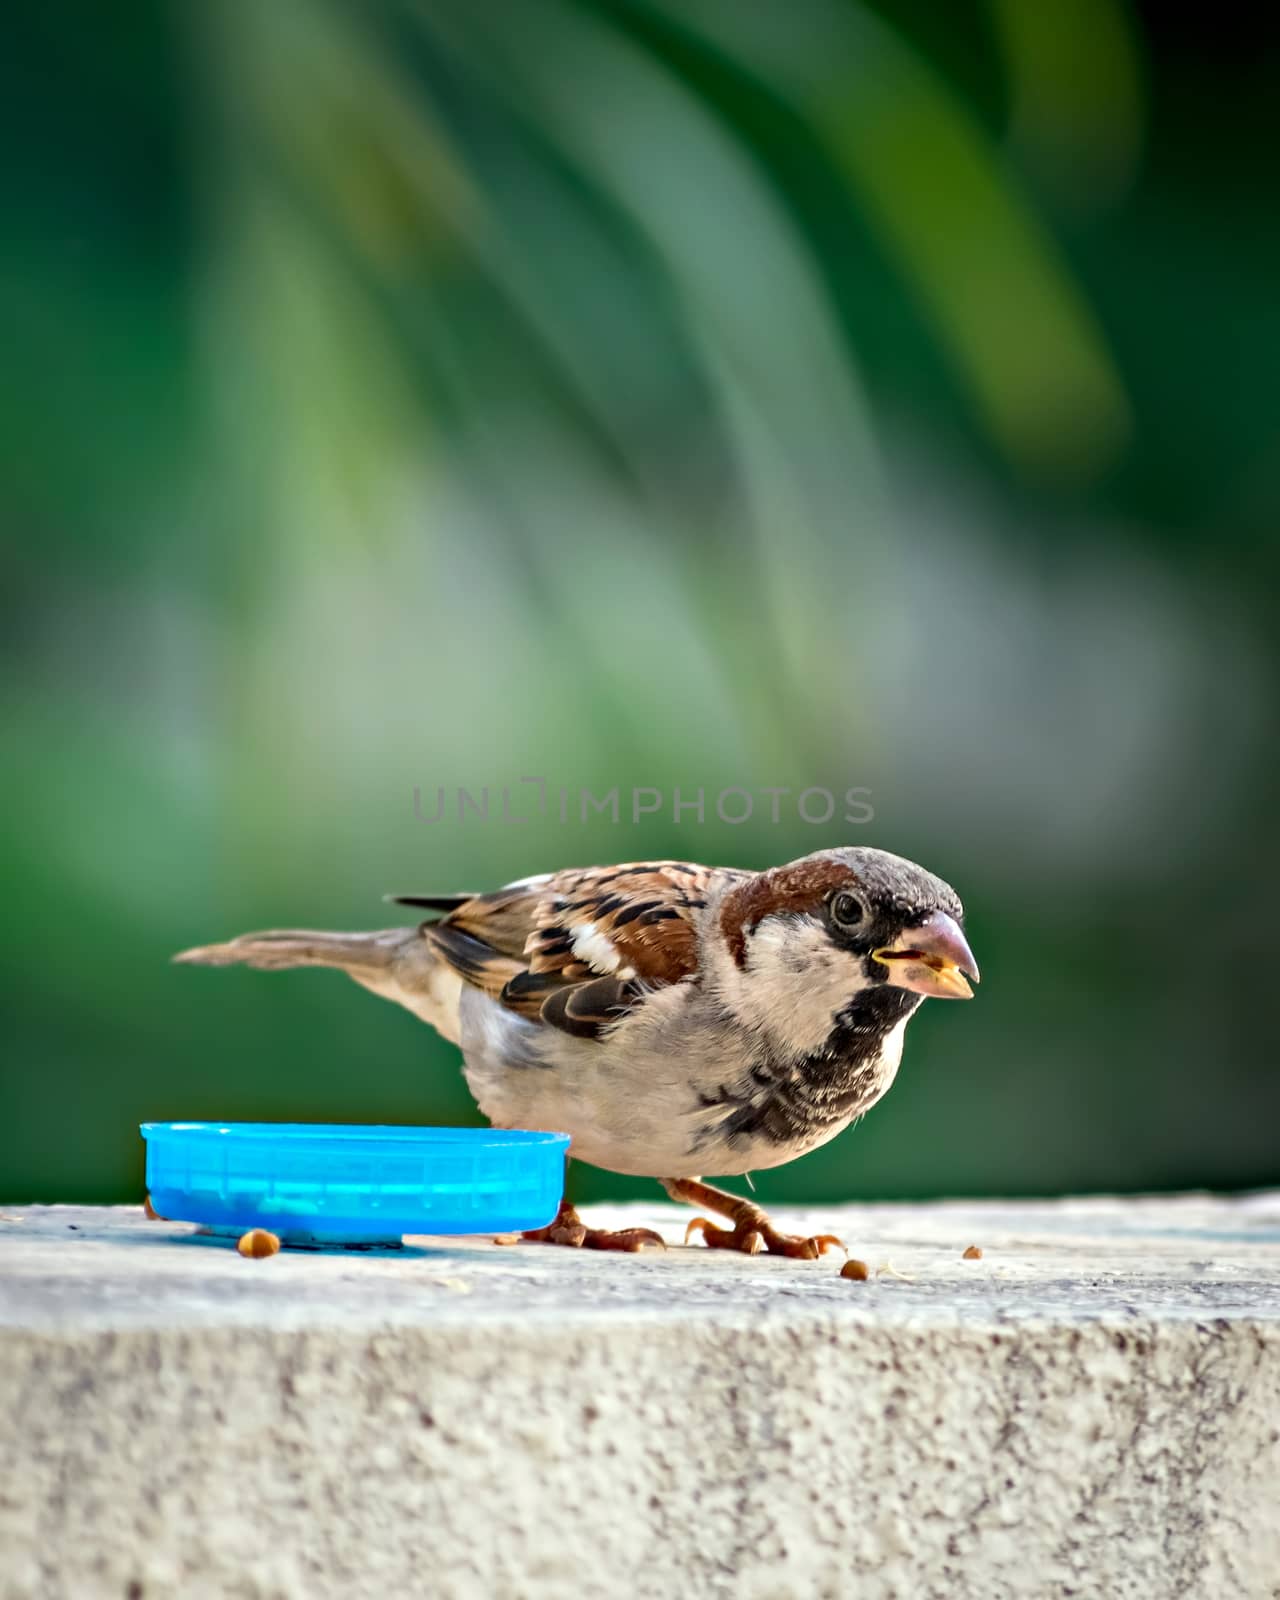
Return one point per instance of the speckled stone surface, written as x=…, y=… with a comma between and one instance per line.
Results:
x=1092, y=1408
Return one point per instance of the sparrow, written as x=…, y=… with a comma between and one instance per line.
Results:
x=676, y=1020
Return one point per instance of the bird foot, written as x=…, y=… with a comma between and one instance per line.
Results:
x=569, y=1229
x=753, y=1232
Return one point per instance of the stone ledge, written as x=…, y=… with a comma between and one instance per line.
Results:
x=1092, y=1408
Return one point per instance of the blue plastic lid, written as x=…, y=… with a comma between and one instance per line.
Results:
x=323, y=1183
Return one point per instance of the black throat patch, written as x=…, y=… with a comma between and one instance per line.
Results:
x=798, y=1103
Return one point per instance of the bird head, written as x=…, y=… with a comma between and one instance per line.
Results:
x=819, y=931
x=905, y=925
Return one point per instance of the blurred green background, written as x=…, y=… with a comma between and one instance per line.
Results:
x=671, y=393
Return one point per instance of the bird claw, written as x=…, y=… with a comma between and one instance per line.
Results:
x=749, y=1241
x=751, y=1237
x=827, y=1241
x=630, y=1240
x=569, y=1229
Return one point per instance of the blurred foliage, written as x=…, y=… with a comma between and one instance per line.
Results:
x=662, y=393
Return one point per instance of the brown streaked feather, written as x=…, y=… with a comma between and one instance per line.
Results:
x=476, y=962
x=646, y=911
x=518, y=944
x=586, y=1009
x=503, y=919
x=528, y=992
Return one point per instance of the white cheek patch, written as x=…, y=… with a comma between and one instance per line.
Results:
x=796, y=981
x=597, y=950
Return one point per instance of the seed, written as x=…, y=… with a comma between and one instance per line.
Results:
x=855, y=1269
x=257, y=1243
x=972, y=1254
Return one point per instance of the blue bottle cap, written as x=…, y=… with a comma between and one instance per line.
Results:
x=319, y=1184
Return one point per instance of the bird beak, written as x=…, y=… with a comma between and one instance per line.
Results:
x=932, y=958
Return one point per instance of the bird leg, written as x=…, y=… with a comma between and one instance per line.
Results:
x=752, y=1230
x=569, y=1229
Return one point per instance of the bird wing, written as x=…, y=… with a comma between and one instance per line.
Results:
x=580, y=948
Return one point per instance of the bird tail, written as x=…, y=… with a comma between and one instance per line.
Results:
x=280, y=948
x=396, y=963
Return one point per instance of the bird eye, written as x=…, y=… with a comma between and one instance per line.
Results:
x=846, y=910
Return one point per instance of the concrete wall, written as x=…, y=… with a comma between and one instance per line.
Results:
x=1092, y=1409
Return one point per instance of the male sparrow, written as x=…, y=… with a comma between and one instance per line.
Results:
x=673, y=1019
